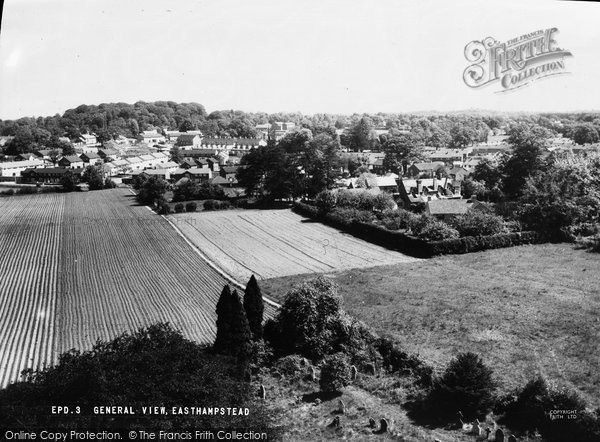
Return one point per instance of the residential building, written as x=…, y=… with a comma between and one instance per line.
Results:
x=15, y=168
x=49, y=175
x=71, y=162
x=90, y=158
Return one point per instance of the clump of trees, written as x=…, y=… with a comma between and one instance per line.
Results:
x=335, y=373
x=150, y=190
x=296, y=166
x=154, y=365
x=239, y=322
x=187, y=190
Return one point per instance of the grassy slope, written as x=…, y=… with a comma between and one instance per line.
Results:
x=525, y=310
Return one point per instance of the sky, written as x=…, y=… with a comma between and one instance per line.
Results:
x=309, y=56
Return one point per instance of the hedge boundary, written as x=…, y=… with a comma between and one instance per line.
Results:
x=413, y=246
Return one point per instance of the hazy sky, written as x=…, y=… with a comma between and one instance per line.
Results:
x=340, y=56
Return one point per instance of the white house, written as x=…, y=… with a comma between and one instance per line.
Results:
x=14, y=168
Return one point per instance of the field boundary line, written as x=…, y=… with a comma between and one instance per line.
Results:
x=219, y=270
x=210, y=263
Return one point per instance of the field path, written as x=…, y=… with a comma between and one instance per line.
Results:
x=274, y=243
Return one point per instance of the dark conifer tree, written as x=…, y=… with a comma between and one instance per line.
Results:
x=223, y=339
x=254, y=306
x=240, y=336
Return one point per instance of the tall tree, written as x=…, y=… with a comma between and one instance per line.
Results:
x=241, y=336
x=254, y=306
x=176, y=154
x=222, y=342
x=401, y=151
x=94, y=176
x=529, y=144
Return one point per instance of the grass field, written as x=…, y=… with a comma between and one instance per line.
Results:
x=525, y=310
x=272, y=243
x=85, y=266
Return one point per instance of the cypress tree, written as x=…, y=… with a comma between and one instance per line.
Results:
x=254, y=306
x=241, y=335
x=223, y=339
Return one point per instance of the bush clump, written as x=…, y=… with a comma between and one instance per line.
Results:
x=216, y=205
x=431, y=229
x=466, y=386
x=536, y=407
x=27, y=190
x=178, y=208
x=384, y=201
x=361, y=200
x=306, y=320
x=348, y=215
x=325, y=201
x=477, y=223
x=191, y=206
x=335, y=373
x=399, y=219
x=403, y=364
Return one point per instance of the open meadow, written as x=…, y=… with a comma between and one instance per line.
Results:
x=525, y=310
x=272, y=243
x=79, y=267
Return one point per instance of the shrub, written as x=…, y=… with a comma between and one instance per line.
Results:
x=305, y=323
x=383, y=201
x=397, y=219
x=355, y=339
x=216, y=205
x=191, y=206
x=163, y=208
x=109, y=184
x=400, y=362
x=290, y=365
x=477, y=223
x=465, y=386
x=178, y=208
x=26, y=190
x=528, y=410
x=8, y=192
x=431, y=229
x=348, y=215
x=335, y=373
x=362, y=200
x=325, y=201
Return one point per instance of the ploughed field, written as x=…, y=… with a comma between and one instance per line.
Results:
x=273, y=243
x=80, y=267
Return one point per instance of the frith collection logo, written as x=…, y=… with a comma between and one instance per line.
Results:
x=515, y=63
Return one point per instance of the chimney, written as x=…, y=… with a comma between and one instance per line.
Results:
x=435, y=184
x=419, y=187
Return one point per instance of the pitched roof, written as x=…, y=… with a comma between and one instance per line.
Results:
x=186, y=138
x=90, y=155
x=386, y=181
x=428, y=166
x=448, y=206
x=72, y=159
x=108, y=151
x=53, y=170
x=199, y=171
x=15, y=164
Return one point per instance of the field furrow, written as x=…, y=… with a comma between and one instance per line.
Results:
x=30, y=243
x=80, y=267
x=273, y=243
